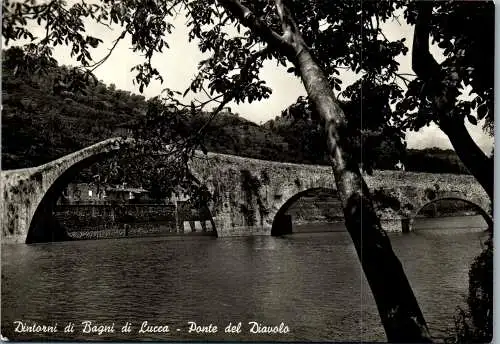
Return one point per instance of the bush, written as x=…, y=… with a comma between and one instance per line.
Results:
x=475, y=324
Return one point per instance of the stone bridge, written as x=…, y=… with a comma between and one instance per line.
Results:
x=248, y=195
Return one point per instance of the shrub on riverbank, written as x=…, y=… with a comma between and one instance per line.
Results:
x=475, y=324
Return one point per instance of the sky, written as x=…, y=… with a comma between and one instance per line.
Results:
x=178, y=66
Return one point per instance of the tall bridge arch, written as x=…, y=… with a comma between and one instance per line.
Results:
x=30, y=193
x=247, y=194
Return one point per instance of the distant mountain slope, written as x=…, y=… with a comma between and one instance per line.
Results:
x=41, y=122
x=38, y=127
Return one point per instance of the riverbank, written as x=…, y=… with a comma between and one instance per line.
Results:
x=474, y=223
x=129, y=231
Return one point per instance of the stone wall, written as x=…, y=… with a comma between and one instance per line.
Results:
x=318, y=206
x=248, y=193
x=97, y=221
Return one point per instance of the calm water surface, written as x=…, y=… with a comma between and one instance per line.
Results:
x=312, y=282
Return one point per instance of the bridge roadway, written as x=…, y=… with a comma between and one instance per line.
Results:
x=248, y=195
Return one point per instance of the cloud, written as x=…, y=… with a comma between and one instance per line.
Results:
x=432, y=136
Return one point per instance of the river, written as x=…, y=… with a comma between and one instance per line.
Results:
x=310, y=282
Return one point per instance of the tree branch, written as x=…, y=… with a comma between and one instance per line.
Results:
x=290, y=28
x=287, y=24
x=230, y=95
x=423, y=63
x=258, y=26
x=94, y=66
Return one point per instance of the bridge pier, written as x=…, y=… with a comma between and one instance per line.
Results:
x=405, y=225
x=282, y=225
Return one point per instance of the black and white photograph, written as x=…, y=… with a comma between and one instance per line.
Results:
x=247, y=170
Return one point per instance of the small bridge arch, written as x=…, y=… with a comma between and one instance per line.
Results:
x=281, y=223
x=474, y=204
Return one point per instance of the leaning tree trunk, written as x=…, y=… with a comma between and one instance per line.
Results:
x=398, y=308
x=442, y=87
x=478, y=164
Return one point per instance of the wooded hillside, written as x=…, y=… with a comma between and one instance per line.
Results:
x=44, y=120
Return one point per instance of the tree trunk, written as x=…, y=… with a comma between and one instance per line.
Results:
x=398, y=308
x=443, y=95
x=478, y=164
